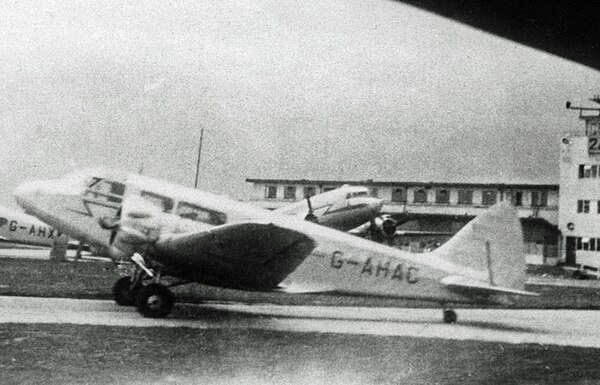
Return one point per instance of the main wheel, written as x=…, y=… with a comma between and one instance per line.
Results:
x=450, y=316
x=122, y=292
x=154, y=301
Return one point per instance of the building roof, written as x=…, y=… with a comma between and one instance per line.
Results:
x=325, y=182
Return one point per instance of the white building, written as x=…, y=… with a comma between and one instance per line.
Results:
x=579, y=214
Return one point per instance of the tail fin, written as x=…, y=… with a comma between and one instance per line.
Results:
x=491, y=243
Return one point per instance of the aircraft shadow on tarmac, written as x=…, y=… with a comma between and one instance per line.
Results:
x=213, y=315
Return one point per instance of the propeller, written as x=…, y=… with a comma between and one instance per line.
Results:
x=388, y=225
x=111, y=224
x=311, y=217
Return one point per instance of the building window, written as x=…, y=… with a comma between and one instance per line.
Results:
x=589, y=171
x=488, y=197
x=271, y=192
x=583, y=206
x=539, y=198
x=442, y=196
x=579, y=244
x=289, y=192
x=398, y=195
x=309, y=191
x=420, y=196
x=519, y=198
x=465, y=197
x=592, y=244
x=374, y=192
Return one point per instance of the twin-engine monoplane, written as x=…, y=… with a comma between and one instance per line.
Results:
x=172, y=231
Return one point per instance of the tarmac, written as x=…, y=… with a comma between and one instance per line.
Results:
x=578, y=328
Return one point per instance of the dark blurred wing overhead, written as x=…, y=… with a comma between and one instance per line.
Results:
x=248, y=255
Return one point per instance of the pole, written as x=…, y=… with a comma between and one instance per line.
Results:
x=199, y=153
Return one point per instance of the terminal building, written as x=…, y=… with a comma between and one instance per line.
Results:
x=561, y=222
x=439, y=209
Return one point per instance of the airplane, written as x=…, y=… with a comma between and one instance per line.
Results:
x=19, y=228
x=179, y=235
x=344, y=208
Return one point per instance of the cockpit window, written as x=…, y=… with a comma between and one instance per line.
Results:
x=104, y=189
x=359, y=194
x=165, y=203
x=200, y=214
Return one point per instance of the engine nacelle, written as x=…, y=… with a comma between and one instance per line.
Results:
x=388, y=225
x=138, y=227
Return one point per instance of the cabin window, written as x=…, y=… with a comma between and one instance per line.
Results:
x=309, y=191
x=442, y=196
x=200, y=214
x=289, y=192
x=465, y=197
x=398, y=195
x=488, y=197
x=420, y=196
x=328, y=188
x=374, y=192
x=271, y=192
x=163, y=202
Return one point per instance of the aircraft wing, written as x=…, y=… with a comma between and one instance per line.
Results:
x=248, y=255
x=474, y=287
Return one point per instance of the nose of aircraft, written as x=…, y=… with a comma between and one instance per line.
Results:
x=377, y=205
x=373, y=203
x=25, y=192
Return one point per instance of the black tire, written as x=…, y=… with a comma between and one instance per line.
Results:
x=122, y=293
x=450, y=316
x=154, y=301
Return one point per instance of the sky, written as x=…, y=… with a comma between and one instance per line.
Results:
x=336, y=90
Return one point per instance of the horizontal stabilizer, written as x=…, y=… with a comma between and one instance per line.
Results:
x=463, y=284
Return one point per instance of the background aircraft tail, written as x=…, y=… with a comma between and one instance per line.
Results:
x=491, y=243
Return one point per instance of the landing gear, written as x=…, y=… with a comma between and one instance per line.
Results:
x=145, y=291
x=124, y=292
x=450, y=316
x=154, y=301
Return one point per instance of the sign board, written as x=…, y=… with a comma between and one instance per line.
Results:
x=593, y=133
